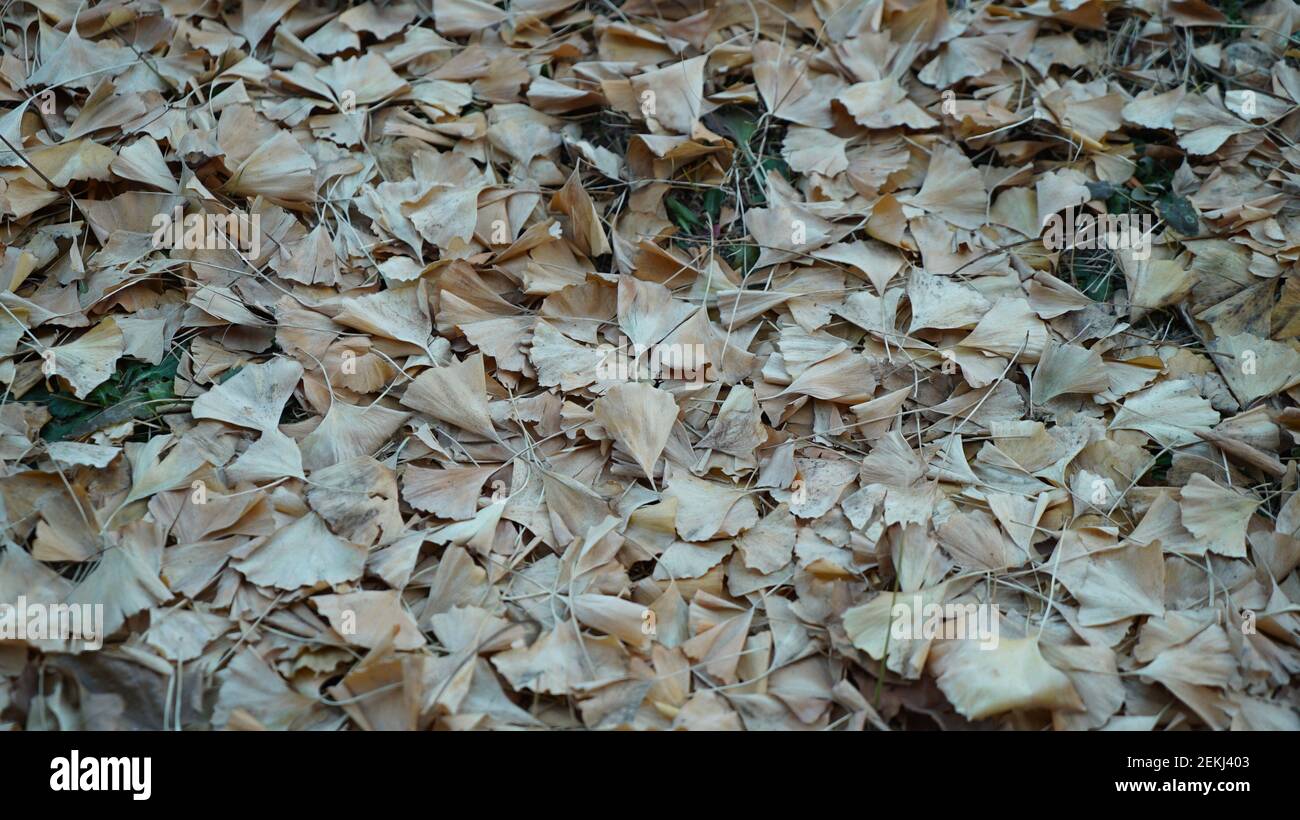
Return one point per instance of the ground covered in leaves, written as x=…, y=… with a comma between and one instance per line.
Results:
x=444, y=364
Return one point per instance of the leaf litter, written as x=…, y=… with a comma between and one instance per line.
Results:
x=659, y=366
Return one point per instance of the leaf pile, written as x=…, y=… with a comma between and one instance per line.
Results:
x=370, y=454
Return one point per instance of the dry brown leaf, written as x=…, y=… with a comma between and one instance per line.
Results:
x=624, y=368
